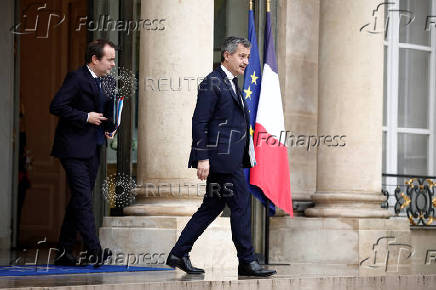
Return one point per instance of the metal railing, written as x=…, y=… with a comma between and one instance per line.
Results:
x=414, y=197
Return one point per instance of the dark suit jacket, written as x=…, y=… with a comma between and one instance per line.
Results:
x=74, y=137
x=220, y=126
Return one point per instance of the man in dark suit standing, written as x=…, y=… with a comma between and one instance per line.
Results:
x=85, y=118
x=220, y=151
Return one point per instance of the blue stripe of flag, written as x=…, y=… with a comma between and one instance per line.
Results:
x=251, y=92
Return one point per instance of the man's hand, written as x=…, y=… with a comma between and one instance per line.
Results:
x=110, y=135
x=203, y=169
x=96, y=118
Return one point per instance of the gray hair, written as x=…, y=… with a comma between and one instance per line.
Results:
x=230, y=44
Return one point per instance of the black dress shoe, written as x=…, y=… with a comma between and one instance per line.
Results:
x=99, y=257
x=254, y=269
x=183, y=264
x=65, y=259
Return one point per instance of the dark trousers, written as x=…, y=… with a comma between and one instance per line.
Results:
x=222, y=189
x=79, y=215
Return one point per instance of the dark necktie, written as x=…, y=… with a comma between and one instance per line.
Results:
x=100, y=109
x=100, y=99
x=238, y=91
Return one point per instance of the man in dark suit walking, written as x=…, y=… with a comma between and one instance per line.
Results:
x=220, y=151
x=85, y=118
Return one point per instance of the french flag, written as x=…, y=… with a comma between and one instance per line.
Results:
x=271, y=172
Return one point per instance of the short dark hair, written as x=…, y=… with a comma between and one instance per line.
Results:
x=230, y=44
x=96, y=48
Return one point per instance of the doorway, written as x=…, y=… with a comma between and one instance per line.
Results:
x=49, y=47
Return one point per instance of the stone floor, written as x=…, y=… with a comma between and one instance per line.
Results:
x=212, y=274
x=287, y=278
x=294, y=276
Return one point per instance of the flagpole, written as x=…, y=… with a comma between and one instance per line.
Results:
x=268, y=202
x=267, y=232
x=268, y=9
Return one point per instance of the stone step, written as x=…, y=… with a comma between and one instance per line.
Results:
x=398, y=282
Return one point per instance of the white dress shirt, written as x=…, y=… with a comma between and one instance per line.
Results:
x=92, y=73
x=230, y=77
x=94, y=76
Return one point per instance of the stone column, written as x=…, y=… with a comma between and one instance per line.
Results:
x=297, y=51
x=350, y=105
x=347, y=228
x=176, y=52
